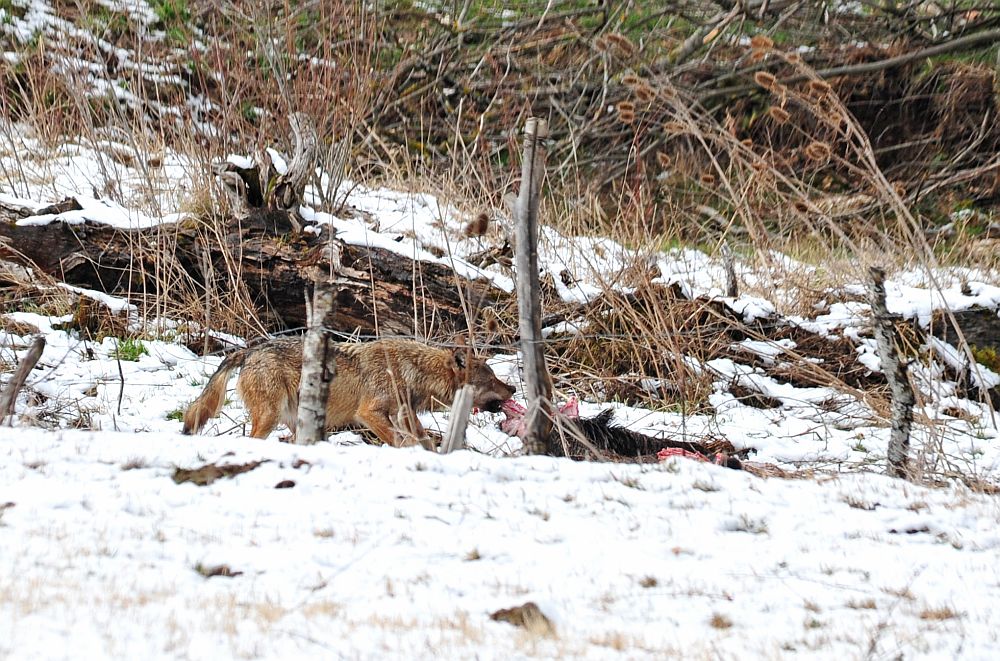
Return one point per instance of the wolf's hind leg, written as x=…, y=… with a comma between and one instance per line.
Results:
x=263, y=420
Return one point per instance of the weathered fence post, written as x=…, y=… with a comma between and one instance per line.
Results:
x=318, y=369
x=728, y=262
x=20, y=376
x=537, y=384
x=459, y=421
x=895, y=373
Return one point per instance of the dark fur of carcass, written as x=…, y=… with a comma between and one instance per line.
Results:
x=614, y=440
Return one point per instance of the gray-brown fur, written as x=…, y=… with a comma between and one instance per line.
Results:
x=374, y=381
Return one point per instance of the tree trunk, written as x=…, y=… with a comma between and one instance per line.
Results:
x=317, y=369
x=895, y=373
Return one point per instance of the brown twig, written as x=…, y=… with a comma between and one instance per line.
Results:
x=20, y=376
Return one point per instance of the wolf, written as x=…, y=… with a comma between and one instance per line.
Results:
x=374, y=385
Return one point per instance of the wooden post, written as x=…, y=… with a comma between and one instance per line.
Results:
x=895, y=373
x=459, y=421
x=318, y=369
x=537, y=384
x=20, y=376
x=732, y=284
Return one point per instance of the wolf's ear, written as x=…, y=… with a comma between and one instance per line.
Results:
x=459, y=354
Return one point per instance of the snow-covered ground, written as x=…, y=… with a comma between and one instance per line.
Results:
x=384, y=553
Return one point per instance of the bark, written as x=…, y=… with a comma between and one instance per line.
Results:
x=537, y=383
x=317, y=369
x=288, y=189
x=895, y=373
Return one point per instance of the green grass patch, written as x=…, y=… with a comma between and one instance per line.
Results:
x=174, y=16
x=130, y=349
x=987, y=357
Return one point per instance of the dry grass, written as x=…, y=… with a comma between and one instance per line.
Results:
x=862, y=604
x=720, y=621
x=939, y=614
x=529, y=617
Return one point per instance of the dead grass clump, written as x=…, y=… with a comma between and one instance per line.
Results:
x=748, y=524
x=645, y=347
x=34, y=90
x=19, y=328
x=43, y=298
x=134, y=463
x=822, y=361
x=858, y=503
x=940, y=613
x=94, y=320
x=720, y=621
x=208, y=571
x=528, y=616
x=209, y=473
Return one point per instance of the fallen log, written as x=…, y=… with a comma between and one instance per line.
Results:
x=261, y=255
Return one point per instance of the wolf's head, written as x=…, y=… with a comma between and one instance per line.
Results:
x=488, y=392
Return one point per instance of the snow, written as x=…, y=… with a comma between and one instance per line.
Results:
x=111, y=185
x=277, y=160
x=407, y=553
x=766, y=349
x=240, y=161
x=113, y=303
x=106, y=212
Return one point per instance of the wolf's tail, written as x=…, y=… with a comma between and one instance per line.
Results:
x=210, y=401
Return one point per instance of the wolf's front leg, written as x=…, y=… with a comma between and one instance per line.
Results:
x=376, y=418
